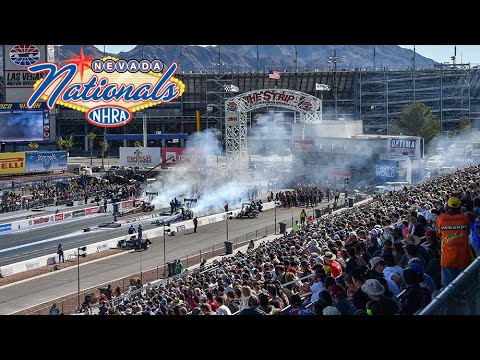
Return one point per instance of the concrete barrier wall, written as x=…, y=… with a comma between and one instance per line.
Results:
x=51, y=259
x=39, y=220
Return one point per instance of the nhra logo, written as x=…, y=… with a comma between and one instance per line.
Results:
x=108, y=90
x=232, y=106
x=24, y=55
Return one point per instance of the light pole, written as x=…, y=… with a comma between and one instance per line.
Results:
x=164, y=247
x=334, y=60
x=275, y=207
x=322, y=88
x=226, y=219
x=83, y=249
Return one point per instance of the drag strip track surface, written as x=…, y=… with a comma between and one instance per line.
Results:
x=44, y=240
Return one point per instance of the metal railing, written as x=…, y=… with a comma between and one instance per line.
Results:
x=68, y=304
x=460, y=297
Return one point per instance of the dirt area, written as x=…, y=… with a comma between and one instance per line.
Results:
x=49, y=268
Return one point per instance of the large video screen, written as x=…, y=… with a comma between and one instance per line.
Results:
x=22, y=126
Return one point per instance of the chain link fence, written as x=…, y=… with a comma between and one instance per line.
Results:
x=461, y=296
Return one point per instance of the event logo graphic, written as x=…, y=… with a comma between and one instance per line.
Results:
x=108, y=90
x=47, y=160
x=24, y=55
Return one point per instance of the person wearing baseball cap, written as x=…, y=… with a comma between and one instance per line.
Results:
x=453, y=228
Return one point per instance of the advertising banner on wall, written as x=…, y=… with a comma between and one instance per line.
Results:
x=45, y=161
x=18, y=81
x=140, y=156
x=336, y=175
x=172, y=156
x=399, y=147
x=386, y=170
x=12, y=163
x=462, y=151
x=303, y=145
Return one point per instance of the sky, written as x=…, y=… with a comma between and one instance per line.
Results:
x=439, y=53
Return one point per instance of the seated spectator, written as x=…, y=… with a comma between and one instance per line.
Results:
x=297, y=307
x=252, y=308
x=379, y=304
x=343, y=305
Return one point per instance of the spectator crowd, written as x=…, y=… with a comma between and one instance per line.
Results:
x=388, y=256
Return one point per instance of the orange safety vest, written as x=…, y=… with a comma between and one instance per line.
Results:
x=454, y=230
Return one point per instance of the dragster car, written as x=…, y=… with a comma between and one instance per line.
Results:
x=144, y=206
x=167, y=217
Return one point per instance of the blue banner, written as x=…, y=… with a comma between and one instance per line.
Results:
x=45, y=161
x=385, y=170
x=5, y=227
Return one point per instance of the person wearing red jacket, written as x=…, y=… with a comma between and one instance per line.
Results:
x=330, y=262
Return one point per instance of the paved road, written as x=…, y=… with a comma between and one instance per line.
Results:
x=23, y=295
x=32, y=243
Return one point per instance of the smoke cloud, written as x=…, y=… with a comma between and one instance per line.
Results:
x=211, y=185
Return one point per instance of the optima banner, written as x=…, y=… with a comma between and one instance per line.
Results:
x=399, y=147
x=140, y=156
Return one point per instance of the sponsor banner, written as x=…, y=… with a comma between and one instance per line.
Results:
x=386, y=170
x=50, y=53
x=78, y=213
x=32, y=265
x=183, y=156
x=91, y=211
x=9, y=107
x=67, y=215
x=40, y=221
x=12, y=163
x=58, y=217
x=102, y=247
x=140, y=156
x=5, y=227
x=399, y=147
x=339, y=175
x=303, y=145
x=259, y=98
x=42, y=161
x=126, y=204
x=462, y=151
x=180, y=228
x=231, y=118
x=18, y=80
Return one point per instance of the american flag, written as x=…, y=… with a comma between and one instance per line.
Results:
x=273, y=74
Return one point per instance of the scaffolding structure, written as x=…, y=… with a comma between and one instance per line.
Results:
x=216, y=94
x=381, y=95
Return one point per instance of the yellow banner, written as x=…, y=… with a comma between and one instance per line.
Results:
x=12, y=163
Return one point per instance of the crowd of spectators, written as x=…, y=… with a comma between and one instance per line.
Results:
x=379, y=258
x=46, y=194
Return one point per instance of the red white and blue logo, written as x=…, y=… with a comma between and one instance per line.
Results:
x=24, y=55
x=108, y=90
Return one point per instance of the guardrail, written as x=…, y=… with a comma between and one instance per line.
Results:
x=38, y=219
x=68, y=304
x=460, y=297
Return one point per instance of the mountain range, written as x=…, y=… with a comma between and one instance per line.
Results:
x=244, y=57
